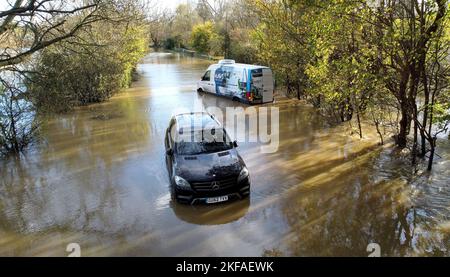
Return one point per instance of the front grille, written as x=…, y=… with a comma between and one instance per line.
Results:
x=215, y=185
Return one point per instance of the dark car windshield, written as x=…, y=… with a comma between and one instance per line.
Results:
x=202, y=142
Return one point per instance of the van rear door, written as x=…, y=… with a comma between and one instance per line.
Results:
x=268, y=85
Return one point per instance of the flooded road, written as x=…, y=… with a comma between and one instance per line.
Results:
x=98, y=178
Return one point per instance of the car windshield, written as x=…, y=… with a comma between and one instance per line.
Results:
x=202, y=142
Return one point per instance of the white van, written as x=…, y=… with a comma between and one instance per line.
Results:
x=252, y=84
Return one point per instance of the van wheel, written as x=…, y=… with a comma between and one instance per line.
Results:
x=235, y=99
x=200, y=90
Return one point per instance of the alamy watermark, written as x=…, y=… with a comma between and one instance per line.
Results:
x=242, y=124
x=374, y=250
x=74, y=250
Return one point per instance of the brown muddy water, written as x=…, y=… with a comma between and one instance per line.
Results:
x=98, y=178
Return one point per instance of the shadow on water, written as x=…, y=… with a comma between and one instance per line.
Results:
x=341, y=208
x=211, y=215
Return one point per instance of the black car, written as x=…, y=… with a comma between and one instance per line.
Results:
x=204, y=165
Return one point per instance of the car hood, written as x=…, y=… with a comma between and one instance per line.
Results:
x=209, y=167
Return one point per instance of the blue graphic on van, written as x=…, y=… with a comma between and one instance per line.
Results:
x=219, y=80
x=249, y=83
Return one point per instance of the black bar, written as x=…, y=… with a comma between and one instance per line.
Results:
x=223, y=266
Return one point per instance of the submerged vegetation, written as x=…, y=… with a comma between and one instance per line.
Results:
x=88, y=68
x=56, y=55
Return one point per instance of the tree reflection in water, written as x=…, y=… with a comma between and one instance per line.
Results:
x=380, y=206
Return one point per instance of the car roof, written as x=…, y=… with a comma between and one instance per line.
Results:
x=195, y=121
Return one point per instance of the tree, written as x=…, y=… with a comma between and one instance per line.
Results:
x=350, y=57
x=340, y=76
x=184, y=20
x=403, y=32
x=203, y=11
x=214, y=9
x=436, y=83
x=17, y=116
x=204, y=38
x=28, y=26
x=63, y=79
x=282, y=40
x=160, y=21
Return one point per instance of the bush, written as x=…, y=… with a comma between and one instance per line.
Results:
x=242, y=47
x=205, y=40
x=18, y=126
x=170, y=43
x=71, y=74
x=243, y=53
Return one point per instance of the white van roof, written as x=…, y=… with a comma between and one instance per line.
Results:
x=227, y=61
x=238, y=65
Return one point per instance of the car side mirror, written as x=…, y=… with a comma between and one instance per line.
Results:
x=235, y=144
x=169, y=152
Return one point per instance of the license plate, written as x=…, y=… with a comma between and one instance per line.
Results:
x=217, y=199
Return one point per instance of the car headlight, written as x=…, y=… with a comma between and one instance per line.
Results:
x=244, y=174
x=181, y=183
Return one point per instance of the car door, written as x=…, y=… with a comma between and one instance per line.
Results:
x=169, y=145
x=206, y=83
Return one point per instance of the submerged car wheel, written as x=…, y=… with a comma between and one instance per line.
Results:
x=179, y=198
x=173, y=193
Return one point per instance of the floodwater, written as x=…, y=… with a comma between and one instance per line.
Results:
x=98, y=178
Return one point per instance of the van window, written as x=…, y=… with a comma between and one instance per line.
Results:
x=207, y=76
x=257, y=73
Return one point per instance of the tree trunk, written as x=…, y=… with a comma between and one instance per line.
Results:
x=377, y=125
x=359, y=124
x=425, y=115
x=405, y=121
x=414, y=148
x=413, y=93
x=404, y=125
x=432, y=148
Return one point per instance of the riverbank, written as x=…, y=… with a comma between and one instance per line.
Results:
x=191, y=53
